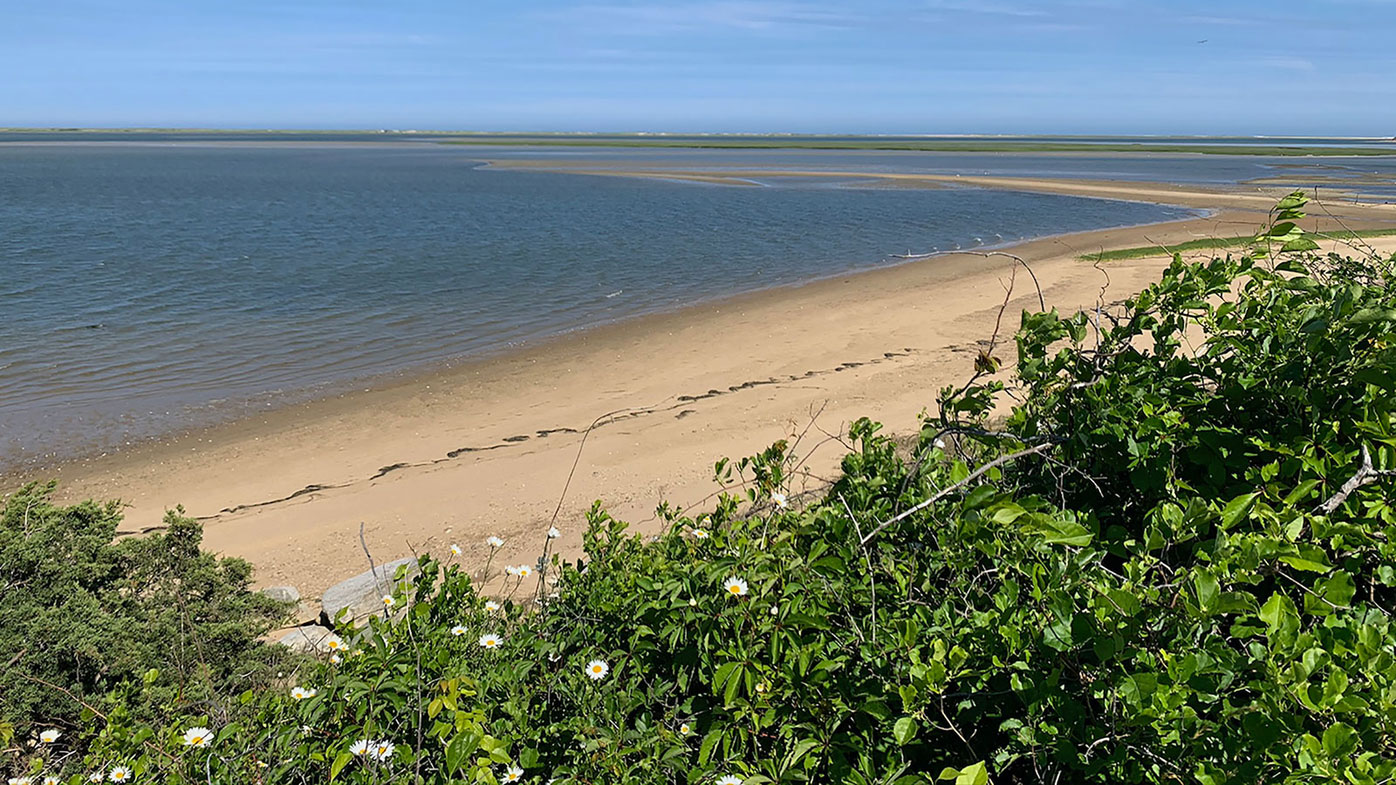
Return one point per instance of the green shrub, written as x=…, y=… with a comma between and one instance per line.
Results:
x=85, y=615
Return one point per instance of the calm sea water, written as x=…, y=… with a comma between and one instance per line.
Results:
x=148, y=287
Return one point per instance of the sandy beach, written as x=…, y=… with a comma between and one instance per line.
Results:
x=485, y=447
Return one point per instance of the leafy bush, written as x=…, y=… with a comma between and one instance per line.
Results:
x=1173, y=562
x=84, y=615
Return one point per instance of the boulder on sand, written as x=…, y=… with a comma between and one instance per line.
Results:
x=302, y=612
x=362, y=595
x=286, y=594
x=310, y=639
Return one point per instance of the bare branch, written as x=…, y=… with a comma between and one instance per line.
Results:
x=974, y=475
x=1041, y=300
x=1365, y=475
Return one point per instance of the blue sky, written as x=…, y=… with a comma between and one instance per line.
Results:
x=856, y=66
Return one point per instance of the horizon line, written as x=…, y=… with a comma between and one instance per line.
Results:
x=789, y=134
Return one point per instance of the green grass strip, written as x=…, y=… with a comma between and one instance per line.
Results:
x=1213, y=243
x=987, y=146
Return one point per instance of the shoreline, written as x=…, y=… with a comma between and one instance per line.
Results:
x=205, y=418
x=422, y=375
x=483, y=447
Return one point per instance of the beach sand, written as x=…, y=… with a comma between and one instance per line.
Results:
x=486, y=447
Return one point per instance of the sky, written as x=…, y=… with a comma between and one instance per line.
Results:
x=1323, y=67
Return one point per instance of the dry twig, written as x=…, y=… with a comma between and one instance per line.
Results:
x=974, y=475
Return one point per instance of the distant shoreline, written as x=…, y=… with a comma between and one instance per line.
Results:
x=1281, y=146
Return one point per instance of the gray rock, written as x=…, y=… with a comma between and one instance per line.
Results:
x=305, y=613
x=362, y=595
x=282, y=593
x=309, y=639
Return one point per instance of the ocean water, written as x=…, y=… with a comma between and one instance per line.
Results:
x=149, y=287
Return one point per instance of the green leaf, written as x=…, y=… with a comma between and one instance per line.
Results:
x=1138, y=689
x=1338, y=589
x=1007, y=512
x=1339, y=739
x=1308, y=558
x=1280, y=615
x=1374, y=315
x=705, y=750
x=1208, y=590
x=340, y=761
x=904, y=731
x=460, y=748
x=1301, y=491
x=801, y=749
x=1237, y=508
x=1059, y=532
x=724, y=672
x=974, y=774
x=1335, y=686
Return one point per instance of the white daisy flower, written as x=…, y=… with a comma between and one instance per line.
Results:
x=491, y=641
x=20, y=781
x=597, y=669
x=381, y=750
x=360, y=747
x=513, y=774
x=779, y=499
x=455, y=549
x=95, y=776
x=197, y=736
x=692, y=602
x=458, y=630
x=306, y=730
x=388, y=601
x=301, y=693
x=940, y=444
x=735, y=587
x=553, y=533
x=523, y=570
x=49, y=736
x=494, y=542
x=762, y=687
x=685, y=729
x=334, y=644
x=700, y=534
x=119, y=774
x=491, y=606
x=511, y=570
x=51, y=780
x=729, y=780
x=335, y=659
x=775, y=610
